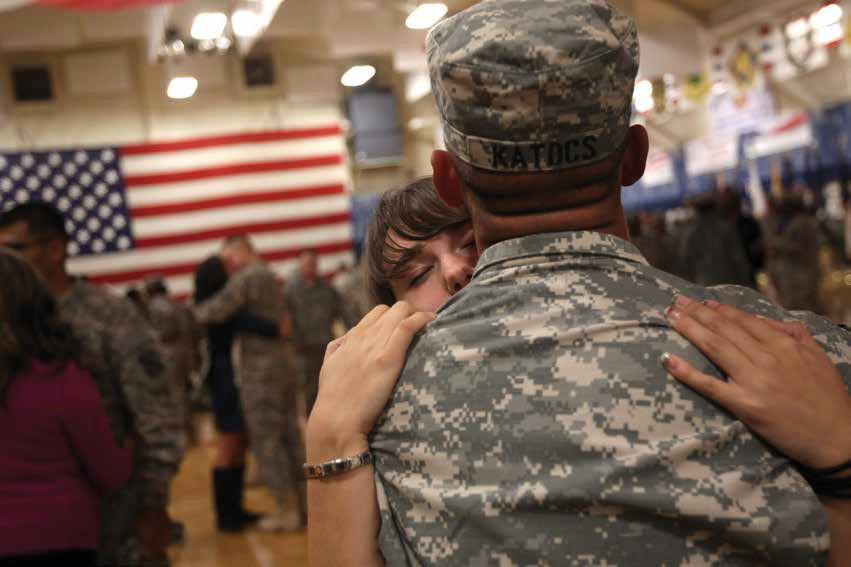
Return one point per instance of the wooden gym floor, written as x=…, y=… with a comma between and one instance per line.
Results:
x=191, y=503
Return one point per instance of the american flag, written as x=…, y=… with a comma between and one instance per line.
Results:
x=161, y=208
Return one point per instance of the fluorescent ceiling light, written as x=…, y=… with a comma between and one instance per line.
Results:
x=417, y=86
x=643, y=89
x=245, y=23
x=208, y=25
x=426, y=15
x=644, y=104
x=358, y=75
x=826, y=16
x=798, y=28
x=182, y=87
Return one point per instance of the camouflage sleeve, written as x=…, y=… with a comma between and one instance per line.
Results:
x=154, y=412
x=226, y=303
x=341, y=312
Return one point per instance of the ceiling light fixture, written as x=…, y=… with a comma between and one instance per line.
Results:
x=182, y=87
x=797, y=28
x=827, y=15
x=245, y=23
x=643, y=89
x=223, y=43
x=829, y=35
x=644, y=104
x=357, y=75
x=426, y=15
x=208, y=25
x=177, y=47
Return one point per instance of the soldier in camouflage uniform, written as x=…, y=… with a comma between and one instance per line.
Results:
x=314, y=306
x=178, y=335
x=267, y=379
x=119, y=349
x=533, y=423
x=718, y=260
x=792, y=243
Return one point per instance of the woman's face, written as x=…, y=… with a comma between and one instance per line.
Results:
x=439, y=268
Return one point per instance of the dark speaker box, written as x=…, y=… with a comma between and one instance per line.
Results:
x=259, y=71
x=31, y=83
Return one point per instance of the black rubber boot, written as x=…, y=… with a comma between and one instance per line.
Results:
x=226, y=495
x=248, y=518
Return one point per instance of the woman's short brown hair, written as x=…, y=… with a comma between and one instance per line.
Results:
x=30, y=327
x=414, y=212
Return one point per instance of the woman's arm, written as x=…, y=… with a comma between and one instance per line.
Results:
x=781, y=385
x=356, y=380
x=87, y=425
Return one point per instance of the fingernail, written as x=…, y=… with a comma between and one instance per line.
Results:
x=681, y=301
x=673, y=313
x=712, y=304
x=668, y=361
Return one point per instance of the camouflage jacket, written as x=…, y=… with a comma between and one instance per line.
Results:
x=256, y=290
x=176, y=329
x=314, y=307
x=534, y=425
x=120, y=350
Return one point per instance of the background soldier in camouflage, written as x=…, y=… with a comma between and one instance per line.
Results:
x=179, y=336
x=120, y=350
x=716, y=259
x=314, y=306
x=792, y=242
x=267, y=378
x=533, y=423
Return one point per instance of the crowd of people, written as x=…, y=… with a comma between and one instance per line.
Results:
x=117, y=378
x=787, y=254
x=508, y=400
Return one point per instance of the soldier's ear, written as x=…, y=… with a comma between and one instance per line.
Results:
x=446, y=179
x=635, y=155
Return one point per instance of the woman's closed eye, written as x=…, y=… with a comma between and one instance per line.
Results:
x=419, y=278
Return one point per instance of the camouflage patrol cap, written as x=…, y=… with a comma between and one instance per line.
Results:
x=534, y=85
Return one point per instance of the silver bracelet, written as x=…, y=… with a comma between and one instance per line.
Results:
x=337, y=466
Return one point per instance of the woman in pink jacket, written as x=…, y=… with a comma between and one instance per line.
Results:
x=56, y=448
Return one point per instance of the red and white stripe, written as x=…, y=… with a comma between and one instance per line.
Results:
x=86, y=5
x=287, y=189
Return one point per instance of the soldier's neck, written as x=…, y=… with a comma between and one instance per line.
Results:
x=604, y=216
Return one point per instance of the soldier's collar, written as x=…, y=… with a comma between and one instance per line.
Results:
x=559, y=244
